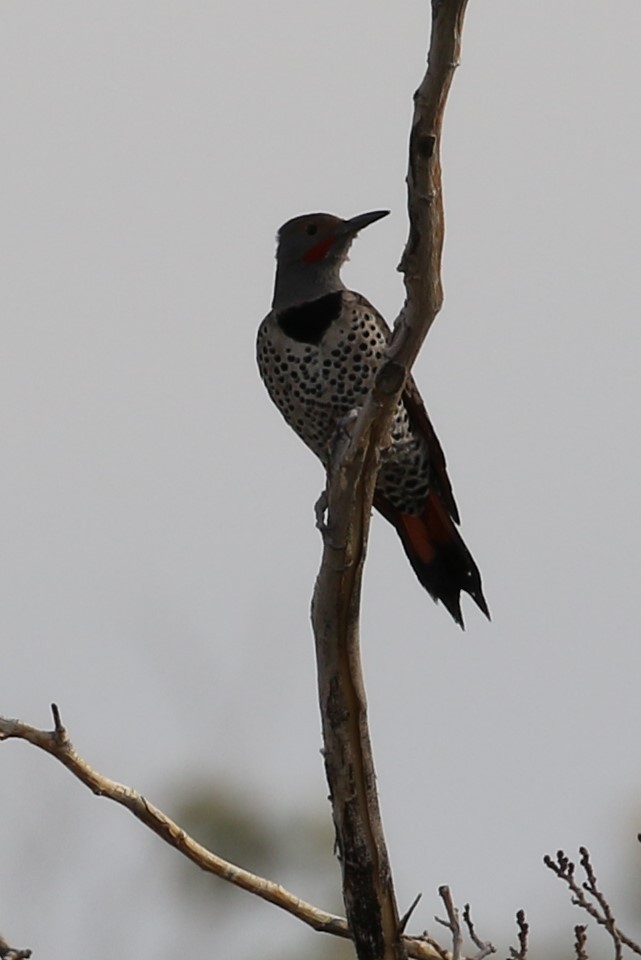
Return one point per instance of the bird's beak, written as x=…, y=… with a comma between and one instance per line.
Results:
x=351, y=227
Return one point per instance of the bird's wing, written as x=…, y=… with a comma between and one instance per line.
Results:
x=413, y=403
x=420, y=420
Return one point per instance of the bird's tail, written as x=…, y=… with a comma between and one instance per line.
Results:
x=440, y=559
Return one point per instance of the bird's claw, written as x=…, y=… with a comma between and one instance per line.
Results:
x=320, y=510
x=343, y=435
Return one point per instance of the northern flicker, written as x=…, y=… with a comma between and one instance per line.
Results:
x=318, y=351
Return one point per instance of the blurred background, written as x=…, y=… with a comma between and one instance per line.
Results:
x=158, y=543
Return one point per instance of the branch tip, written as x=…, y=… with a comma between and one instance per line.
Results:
x=57, y=722
x=12, y=953
x=485, y=947
x=580, y=942
x=402, y=923
x=452, y=923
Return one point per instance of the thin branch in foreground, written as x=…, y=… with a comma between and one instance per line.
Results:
x=592, y=888
x=402, y=923
x=485, y=948
x=11, y=953
x=523, y=929
x=452, y=923
x=56, y=742
x=597, y=907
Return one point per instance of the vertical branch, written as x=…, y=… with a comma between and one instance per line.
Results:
x=368, y=889
x=421, y=261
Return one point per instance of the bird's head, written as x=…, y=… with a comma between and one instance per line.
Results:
x=311, y=250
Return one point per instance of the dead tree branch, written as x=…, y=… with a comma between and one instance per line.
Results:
x=484, y=947
x=523, y=929
x=368, y=890
x=452, y=923
x=57, y=743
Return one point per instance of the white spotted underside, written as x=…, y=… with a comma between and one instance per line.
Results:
x=315, y=386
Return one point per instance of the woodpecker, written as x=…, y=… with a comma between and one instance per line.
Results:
x=318, y=350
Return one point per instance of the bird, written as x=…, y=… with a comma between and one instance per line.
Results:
x=318, y=351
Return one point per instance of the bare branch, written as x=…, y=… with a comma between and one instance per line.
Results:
x=580, y=942
x=57, y=743
x=523, y=929
x=597, y=907
x=11, y=953
x=591, y=887
x=452, y=923
x=485, y=951
x=408, y=913
x=485, y=948
x=368, y=890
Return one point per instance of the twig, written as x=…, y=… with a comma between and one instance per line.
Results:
x=599, y=910
x=523, y=929
x=591, y=887
x=11, y=953
x=368, y=890
x=580, y=941
x=402, y=923
x=452, y=923
x=485, y=948
x=57, y=743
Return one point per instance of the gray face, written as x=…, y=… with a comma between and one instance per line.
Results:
x=311, y=250
x=311, y=239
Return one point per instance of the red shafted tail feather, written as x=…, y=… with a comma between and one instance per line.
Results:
x=433, y=545
x=438, y=554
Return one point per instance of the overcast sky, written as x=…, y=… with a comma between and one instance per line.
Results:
x=158, y=545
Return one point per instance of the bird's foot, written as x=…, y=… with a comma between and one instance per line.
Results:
x=343, y=436
x=320, y=510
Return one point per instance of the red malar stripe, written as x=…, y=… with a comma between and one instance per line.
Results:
x=318, y=252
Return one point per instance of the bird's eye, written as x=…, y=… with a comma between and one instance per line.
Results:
x=311, y=229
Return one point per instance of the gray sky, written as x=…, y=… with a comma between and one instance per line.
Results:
x=157, y=528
